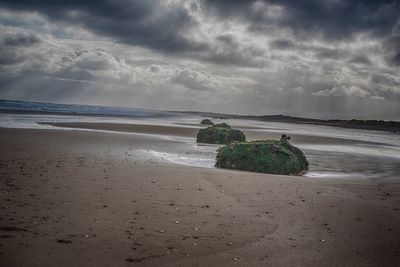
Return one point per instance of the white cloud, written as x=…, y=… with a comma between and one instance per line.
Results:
x=379, y=98
x=195, y=80
x=352, y=90
x=298, y=90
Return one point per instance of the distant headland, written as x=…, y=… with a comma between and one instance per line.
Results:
x=379, y=125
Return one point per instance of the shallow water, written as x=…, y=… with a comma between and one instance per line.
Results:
x=28, y=106
x=355, y=154
x=189, y=159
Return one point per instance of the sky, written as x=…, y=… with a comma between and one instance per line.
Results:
x=309, y=58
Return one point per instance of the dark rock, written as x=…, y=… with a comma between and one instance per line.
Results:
x=64, y=241
x=220, y=134
x=267, y=156
x=206, y=122
x=139, y=259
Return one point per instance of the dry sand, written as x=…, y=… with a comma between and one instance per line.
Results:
x=81, y=198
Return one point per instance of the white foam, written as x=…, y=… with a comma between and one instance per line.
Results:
x=319, y=174
x=371, y=150
x=183, y=159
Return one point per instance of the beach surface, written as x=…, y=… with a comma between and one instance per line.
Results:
x=104, y=194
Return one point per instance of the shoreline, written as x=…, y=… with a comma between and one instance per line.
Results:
x=345, y=124
x=336, y=156
x=128, y=128
x=190, y=130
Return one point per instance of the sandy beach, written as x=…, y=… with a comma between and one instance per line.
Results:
x=200, y=133
x=89, y=198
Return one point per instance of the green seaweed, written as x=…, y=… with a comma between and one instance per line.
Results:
x=223, y=125
x=220, y=134
x=206, y=122
x=266, y=156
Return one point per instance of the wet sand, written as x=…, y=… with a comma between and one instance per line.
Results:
x=190, y=130
x=131, y=128
x=81, y=198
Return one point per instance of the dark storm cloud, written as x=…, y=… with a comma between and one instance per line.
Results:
x=283, y=44
x=385, y=79
x=9, y=42
x=342, y=18
x=333, y=19
x=360, y=59
x=319, y=52
x=17, y=39
x=165, y=26
x=141, y=22
x=228, y=50
x=392, y=48
x=8, y=57
x=327, y=53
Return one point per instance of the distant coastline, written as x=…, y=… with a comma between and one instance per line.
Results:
x=378, y=125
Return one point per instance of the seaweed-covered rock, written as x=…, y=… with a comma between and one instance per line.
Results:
x=206, y=122
x=267, y=156
x=223, y=125
x=220, y=134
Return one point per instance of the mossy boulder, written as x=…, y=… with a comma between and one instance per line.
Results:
x=206, y=122
x=223, y=125
x=266, y=156
x=220, y=134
